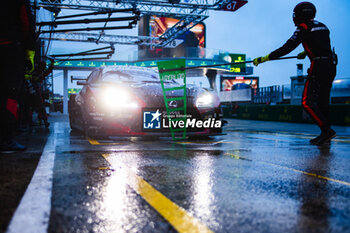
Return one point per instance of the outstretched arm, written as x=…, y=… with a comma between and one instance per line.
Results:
x=288, y=47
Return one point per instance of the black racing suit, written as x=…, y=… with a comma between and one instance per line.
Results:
x=17, y=34
x=314, y=37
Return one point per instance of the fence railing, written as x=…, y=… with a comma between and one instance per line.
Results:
x=340, y=93
x=267, y=95
x=244, y=95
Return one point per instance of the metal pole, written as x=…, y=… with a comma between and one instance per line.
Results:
x=85, y=52
x=100, y=13
x=65, y=91
x=89, y=29
x=87, y=21
x=211, y=75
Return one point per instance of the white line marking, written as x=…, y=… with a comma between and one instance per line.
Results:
x=33, y=212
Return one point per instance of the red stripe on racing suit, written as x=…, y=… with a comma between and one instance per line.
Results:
x=308, y=108
x=12, y=107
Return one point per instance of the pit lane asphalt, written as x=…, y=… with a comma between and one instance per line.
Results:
x=260, y=177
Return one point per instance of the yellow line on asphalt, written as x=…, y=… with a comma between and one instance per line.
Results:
x=301, y=137
x=292, y=169
x=174, y=214
x=104, y=168
x=341, y=140
x=311, y=174
x=202, y=142
x=93, y=141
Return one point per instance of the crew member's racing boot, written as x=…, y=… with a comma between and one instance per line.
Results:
x=325, y=137
x=314, y=140
x=10, y=146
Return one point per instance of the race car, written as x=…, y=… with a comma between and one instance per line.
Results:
x=129, y=101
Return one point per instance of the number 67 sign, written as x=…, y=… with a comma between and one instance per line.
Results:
x=234, y=5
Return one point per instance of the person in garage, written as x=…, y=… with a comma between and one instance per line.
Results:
x=17, y=42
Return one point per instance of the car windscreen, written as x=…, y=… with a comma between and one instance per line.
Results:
x=130, y=76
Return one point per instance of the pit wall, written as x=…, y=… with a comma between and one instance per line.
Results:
x=340, y=114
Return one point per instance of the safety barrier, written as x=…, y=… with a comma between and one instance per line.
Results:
x=244, y=95
x=340, y=113
x=263, y=95
x=272, y=94
x=340, y=94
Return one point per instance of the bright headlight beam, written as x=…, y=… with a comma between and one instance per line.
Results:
x=114, y=98
x=205, y=100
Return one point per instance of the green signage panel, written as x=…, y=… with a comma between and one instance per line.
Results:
x=238, y=58
x=240, y=68
x=92, y=64
x=73, y=91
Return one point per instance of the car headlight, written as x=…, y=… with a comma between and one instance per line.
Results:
x=114, y=98
x=205, y=100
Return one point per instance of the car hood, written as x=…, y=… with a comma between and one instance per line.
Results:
x=152, y=94
x=155, y=89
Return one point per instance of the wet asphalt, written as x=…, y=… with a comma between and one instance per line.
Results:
x=259, y=177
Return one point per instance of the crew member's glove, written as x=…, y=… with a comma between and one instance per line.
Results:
x=301, y=55
x=28, y=77
x=29, y=61
x=259, y=60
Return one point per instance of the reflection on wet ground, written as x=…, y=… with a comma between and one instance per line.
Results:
x=248, y=180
